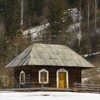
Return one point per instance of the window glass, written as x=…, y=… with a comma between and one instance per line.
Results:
x=43, y=76
x=22, y=77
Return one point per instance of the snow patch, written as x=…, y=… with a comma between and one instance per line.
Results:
x=48, y=96
x=35, y=32
x=92, y=54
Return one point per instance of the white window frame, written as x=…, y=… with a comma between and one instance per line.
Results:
x=22, y=83
x=57, y=77
x=43, y=70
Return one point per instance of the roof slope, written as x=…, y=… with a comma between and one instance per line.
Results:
x=49, y=55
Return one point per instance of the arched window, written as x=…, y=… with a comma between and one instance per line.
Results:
x=22, y=78
x=43, y=76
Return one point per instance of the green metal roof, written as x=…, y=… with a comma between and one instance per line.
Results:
x=49, y=55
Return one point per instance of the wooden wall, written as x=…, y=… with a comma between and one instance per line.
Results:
x=74, y=76
x=32, y=78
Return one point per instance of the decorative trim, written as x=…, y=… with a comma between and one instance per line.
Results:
x=44, y=70
x=57, y=77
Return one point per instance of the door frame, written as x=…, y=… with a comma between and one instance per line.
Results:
x=57, y=77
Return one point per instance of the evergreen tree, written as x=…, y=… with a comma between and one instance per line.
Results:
x=36, y=8
x=58, y=17
x=12, y=17
x=56, y=10
x=2, y=7
x=73, y=3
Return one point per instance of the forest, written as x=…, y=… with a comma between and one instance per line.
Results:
x=16, y=16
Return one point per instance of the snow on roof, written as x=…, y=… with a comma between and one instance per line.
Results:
x=49, y=55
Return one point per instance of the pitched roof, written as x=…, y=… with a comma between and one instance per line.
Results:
x=49, y=55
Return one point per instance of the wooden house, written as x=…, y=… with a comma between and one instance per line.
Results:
x=55, y=66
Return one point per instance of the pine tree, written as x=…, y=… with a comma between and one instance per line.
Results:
x=58, y=18
x=2, y=7
x=56, y=9
x=35, y=11
x=12, y=17
x=73, y=3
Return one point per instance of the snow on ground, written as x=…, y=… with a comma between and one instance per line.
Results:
x=35, y=31
x=48, y=96
x=87, y=55
x=73, y=28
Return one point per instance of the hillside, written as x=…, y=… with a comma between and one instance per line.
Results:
x=93, y=75
x=68, y=22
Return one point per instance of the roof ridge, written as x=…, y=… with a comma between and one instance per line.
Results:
x=30, y=53
x=40, y=54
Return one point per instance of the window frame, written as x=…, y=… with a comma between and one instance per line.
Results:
x=22, y=73
x=44, y=70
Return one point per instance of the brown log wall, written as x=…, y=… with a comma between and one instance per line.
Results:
x=32, y=78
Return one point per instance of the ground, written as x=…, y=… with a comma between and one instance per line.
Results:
x=48, y=96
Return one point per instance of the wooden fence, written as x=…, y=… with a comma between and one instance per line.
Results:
x=86, y=87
